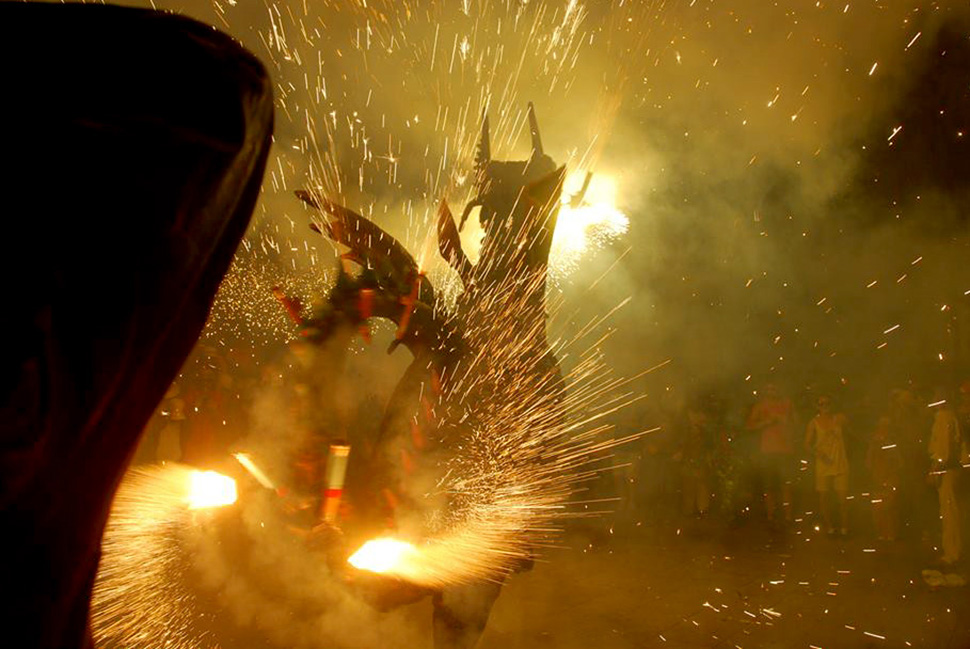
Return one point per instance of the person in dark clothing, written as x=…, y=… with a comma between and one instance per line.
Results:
x=139, y=140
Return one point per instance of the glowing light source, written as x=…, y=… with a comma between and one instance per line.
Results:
x=587, y=221
x=210, y=489
x=587, y=224
x=384, y=555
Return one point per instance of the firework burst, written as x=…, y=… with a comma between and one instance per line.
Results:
x=140, y=596
x=380, y=105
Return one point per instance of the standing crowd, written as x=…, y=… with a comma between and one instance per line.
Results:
x=887, y=470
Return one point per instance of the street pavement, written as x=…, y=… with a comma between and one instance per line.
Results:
x=695, y=583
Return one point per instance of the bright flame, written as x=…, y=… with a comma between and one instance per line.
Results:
x=587, y=226
x=580, y=229
x=210, y=489
x=382, y=555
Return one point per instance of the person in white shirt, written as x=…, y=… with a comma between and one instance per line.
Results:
x=824, y=440
x=945, y=450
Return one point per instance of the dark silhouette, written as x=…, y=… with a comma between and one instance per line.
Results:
x=135, y=145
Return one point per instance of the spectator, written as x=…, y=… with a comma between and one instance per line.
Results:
x=695, y=455
x=945, y=450
x=908, y=426
x=885, y=464
x=825, y=442
x=772, y=417
x=963, y=408
x=169, y=448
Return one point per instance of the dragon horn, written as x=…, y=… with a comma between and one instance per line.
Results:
x=449, y=243
x=484, y=154
x=534, y=131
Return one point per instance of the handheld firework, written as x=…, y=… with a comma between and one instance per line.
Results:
x=337, y=456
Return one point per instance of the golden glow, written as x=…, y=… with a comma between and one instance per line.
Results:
x=384, y=555
x=210, y=489
x=586, y=226
x=581, y=228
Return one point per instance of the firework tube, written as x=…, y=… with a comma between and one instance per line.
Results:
x=334, y=487
x=409, y=303
x=365, y=309
x=292, y=305
x=365, y=303
x=257, y=473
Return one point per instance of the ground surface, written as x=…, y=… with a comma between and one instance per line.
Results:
x=702, y=584
x=686, y=583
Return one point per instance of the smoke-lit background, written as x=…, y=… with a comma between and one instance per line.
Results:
x=794, y=175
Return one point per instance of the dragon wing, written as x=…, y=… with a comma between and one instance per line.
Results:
x=449, y=244
x=369, y=244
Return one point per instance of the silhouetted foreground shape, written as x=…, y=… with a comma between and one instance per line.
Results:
x=134, y=146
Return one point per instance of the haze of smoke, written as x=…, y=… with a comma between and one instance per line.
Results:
x=746, y=155
x=722, y=178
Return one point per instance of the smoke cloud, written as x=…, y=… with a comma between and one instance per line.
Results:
x=794, y=174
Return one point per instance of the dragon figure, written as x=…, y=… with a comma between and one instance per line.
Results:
x=483, y=378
